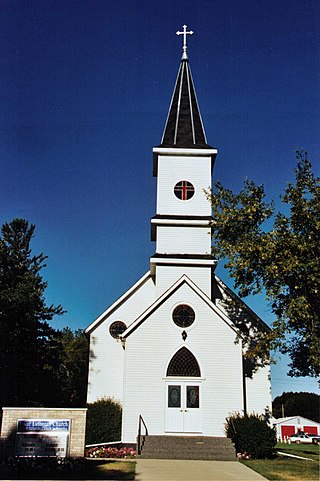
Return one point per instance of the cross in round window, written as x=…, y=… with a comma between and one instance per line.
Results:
x=183, y=316
x=184, y=190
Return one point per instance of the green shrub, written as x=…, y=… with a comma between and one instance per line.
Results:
x=251, y=435
x=103, y=421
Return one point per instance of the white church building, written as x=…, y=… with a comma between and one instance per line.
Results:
x=167, y=348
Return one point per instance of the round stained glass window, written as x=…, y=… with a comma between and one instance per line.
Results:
x=184, y=190
x=117, y=328
x=183, y=316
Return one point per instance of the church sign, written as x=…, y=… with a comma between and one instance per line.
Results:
x=42, y=437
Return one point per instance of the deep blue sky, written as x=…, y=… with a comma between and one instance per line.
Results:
x=85, y=87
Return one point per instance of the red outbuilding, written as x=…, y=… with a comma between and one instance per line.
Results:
x=294, y=424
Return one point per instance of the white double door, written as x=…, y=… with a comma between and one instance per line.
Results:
x=183, y=407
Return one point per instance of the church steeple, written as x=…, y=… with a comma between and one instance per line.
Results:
x=184, y=127
x=183, y=164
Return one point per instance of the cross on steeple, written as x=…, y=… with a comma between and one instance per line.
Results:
x=184, y=33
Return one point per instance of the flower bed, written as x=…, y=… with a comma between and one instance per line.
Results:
x=105, y=452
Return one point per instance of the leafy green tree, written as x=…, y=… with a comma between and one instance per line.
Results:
x=305, y=404
x=28, y=345
x=283, y=262
x=73, y=368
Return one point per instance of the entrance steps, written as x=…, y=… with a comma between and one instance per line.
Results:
x=188, y=447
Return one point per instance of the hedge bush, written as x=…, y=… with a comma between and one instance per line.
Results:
x=252, y=435
x=103, y=421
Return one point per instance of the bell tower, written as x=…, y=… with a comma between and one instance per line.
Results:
x=183, y=164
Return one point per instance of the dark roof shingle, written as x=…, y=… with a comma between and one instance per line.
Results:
x=184, y=128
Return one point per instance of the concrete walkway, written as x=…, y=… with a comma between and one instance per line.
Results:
x=182, y=470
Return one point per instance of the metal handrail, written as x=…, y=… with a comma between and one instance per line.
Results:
x=141, y=437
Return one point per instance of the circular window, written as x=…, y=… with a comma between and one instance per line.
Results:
x=183, y=316
x=184, y=190
x=117, y=328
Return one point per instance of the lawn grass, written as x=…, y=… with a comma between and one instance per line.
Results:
x=284, y=468
x=305, y=450
x=112, y=470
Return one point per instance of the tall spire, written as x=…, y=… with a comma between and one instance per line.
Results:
x=184, y=127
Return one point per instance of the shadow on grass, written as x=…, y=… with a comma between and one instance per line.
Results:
x=284, y=469
x=306, y=450
x=81, y=469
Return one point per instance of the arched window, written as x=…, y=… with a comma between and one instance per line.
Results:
x=183, y=363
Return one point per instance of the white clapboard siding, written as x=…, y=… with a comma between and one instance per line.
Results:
x=183, y=240
x=106, y=353
x=105, y=365
x=259, y=391
x=149, y=350
x=168, y=275
x=172, y=170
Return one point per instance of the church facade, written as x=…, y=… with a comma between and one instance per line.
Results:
x=167, y=348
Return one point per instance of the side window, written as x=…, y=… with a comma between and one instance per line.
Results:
x=117, y=328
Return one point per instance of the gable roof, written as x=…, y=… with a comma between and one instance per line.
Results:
x=180, y=282
x=118, y=302
x=293, y=418
x=166, y=295
x=255, y=318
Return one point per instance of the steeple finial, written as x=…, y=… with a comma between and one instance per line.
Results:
x=184, y=48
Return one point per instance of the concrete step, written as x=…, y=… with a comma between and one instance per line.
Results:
x=188, y=447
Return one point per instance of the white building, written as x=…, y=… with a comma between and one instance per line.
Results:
x=293, y=424
x=167, y=348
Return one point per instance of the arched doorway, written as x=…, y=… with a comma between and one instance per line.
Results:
x=183, y=393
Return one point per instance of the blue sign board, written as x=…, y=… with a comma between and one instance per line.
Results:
x=40, y=425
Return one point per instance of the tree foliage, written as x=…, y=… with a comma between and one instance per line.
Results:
x=73, y=368
x=27, y=345
x=282, y=262
x=305, y=404
x=38, y=365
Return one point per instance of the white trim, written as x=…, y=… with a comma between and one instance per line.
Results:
x=183, y=378
x=179, y=151
x=192, y=325
x=110, y=443
x=175, y=85
x=194, y=90
x=294, y=456
x=166, y=295
x=191, y=222
x=190, y=106
x=174, y=260
x=119, y=301
x=291, y=418
x=178, y=107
